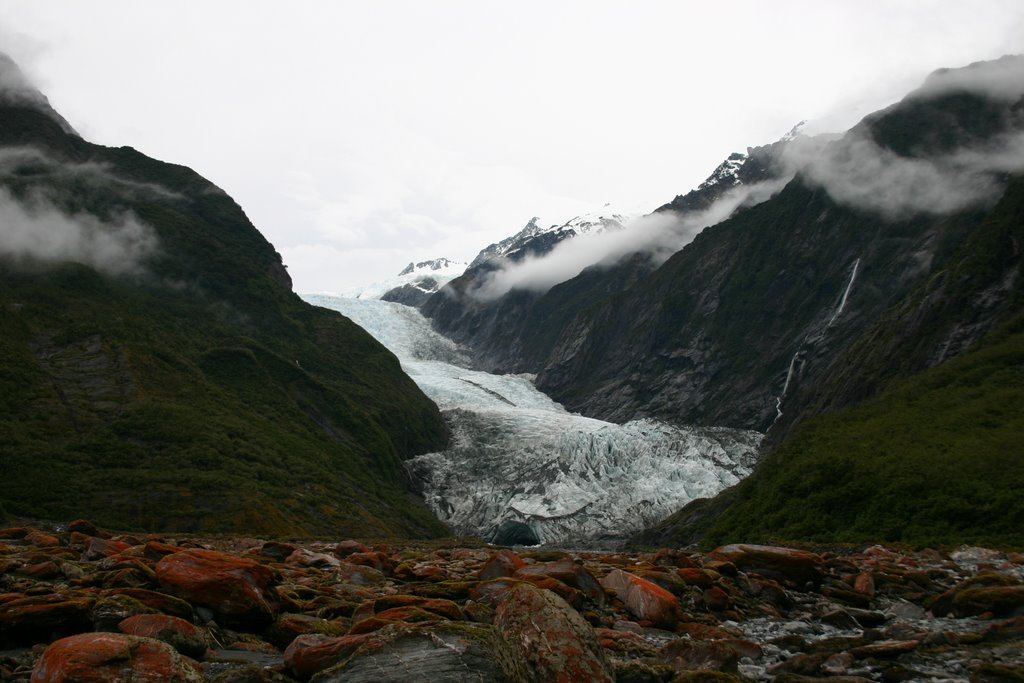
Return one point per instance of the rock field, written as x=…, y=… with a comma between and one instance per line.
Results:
x=84, y=604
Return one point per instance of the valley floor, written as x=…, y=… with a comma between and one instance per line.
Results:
x=82, y=603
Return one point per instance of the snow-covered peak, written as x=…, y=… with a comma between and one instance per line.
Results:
x=727, y=174
x=604, y=219
x=426, y=276
x=795, y=132
x=437, y=266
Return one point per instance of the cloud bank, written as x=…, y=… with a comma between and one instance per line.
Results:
x=658, y=235
x=857, y=172
x=1000, y=79
x=35, y=231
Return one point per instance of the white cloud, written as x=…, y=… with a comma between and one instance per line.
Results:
x=35, y=231
x=658, y=235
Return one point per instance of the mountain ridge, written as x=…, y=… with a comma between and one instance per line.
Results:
x=193, y=391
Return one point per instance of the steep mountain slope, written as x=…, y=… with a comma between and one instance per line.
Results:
x=501, y=331
x=157, y=372
x=743, y=326
x=934, y=458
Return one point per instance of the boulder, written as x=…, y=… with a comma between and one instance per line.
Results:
x=439, y=653
x=237, y=589
x=185, y=637
x=27, y=620
x=793, y=568
x=309, y=654
x=501, y=563
x=556, y=642
x=645, y=600
x=997, y=600
x=113, y=657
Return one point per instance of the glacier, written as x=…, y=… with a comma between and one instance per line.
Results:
x=518, y=458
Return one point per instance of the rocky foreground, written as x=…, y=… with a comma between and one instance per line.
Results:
x=82, y=604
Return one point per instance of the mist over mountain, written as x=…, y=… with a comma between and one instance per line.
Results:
x=158, y=373
x=870, y=258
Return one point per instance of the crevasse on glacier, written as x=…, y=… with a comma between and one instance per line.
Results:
x=517, y=456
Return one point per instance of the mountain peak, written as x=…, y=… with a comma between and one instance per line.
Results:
x=18, y=91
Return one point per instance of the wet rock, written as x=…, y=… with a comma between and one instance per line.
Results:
x=703, y=631
x=98, y=548
x=1011, y=629
x=699, y=655
x=942, y=604
x=360, y=575
x=673, y=557
x=275, y=550
x=697, y=577
x=793, y=568
x=551, y=636
x=252, y=673
x=111, y=609
x=841, y=619
x=346, y=548
x=997, y=673
x=865, y=583
x=82, y=526
x=716, y=599
x=312, y=653
x=571, y=574
x=27, y=620
x=287, y=627
x=501, y=563
x=102, y=657
x=183, y=636
x=997, y=600
x=838, y=663
x=374, y=559
x=445, y=653
x=161, y=602
x=886, y=648
x=306, y=558
x=235, y=588
x=645, y=600
x=440, y=607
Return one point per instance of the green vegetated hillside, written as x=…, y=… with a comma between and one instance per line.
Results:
x=933, y=459
x=193, y=390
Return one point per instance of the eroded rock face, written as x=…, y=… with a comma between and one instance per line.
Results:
x=105, y=657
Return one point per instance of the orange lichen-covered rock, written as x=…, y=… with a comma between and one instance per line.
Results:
x=645, y=600
x=236, y=588
x=186, y=638
x=309, y=654
x=557, y=643
x=794, y=568
x=113, y=657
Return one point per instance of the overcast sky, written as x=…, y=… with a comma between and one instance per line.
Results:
x=359, y=136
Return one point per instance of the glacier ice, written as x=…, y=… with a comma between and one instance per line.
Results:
x=516, y=455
